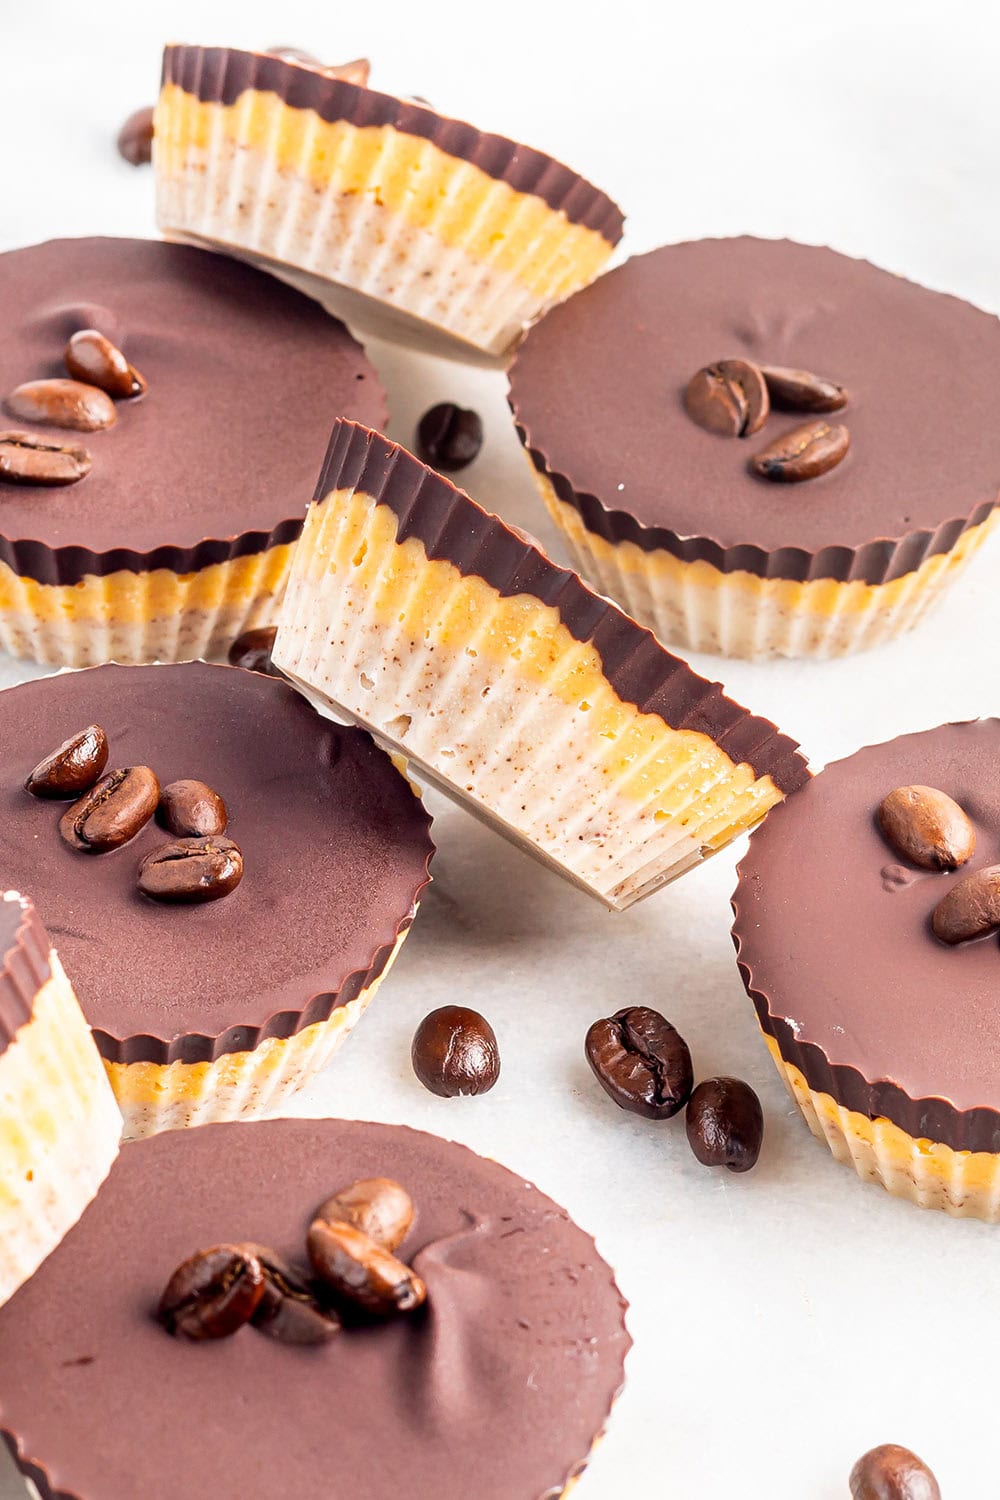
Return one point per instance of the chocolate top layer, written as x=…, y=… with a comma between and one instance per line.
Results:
x=597, y=391
x=835, y=946
x=24, y=963
x=335, y=843
x=219, y=457
x=219, y=75
x=452, y=527
x=498, y=1390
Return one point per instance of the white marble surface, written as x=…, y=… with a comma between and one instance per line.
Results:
x=787, y=1320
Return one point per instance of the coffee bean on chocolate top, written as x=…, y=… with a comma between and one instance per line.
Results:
x=729, y=398
x=191, y=810
x=213, y=1294
x=62, y=403
x=927, y=827
x=288, y=1311
x=449, y=437
x=357, y=71
x=135, y=139
x=971, y=908
x=26, y=458
x=357, y=1272
x=73, y=767
x=892, y=1473
x=800, y=390
x=379, y=1207
x=252, y=651
x=725, y=1124
x=191, y=870
x=804, y=453
x=113, y=811
x=91, y=357
x=455, y=1051
x=641, y=1061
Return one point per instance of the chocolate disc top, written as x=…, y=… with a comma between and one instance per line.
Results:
x=334, y=841
x=497, y=1388
x=598, y=389
x=833, y=931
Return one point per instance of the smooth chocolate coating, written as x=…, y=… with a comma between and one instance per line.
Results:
x=24, y=963
x=597, y=392
x=836, y=949
x=335, y=843
x=496, y=1389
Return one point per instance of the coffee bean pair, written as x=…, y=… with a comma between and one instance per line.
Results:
x=644, y=1064
x=932, y=831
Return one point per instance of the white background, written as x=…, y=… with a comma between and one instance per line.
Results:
x=787, y=1320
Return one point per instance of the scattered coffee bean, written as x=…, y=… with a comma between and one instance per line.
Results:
x=729, y=397
x=190, y=870
x=449, y=437
x=455, y=1052
x=252, y=651
x=288, y=1311
x=135, y=139
x=725, y=1124
x=800, y=390
x=113, y=811
x=62, y=403
x=91, y=357
x=377, y=1206
x=804, y=453
x=213, y=1294
x=360, y=1273
x=73, y=768
x=892, y=1473
x=191, y=810
x=927, y=827
x=641, y=1061
x=26, y=458
x=971, y=908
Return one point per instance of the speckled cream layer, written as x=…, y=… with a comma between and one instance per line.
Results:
x=965, y=1184
x=697, y=606
x=141, y=617
x=59, y=1130
x=493, y=698
x=386, y=214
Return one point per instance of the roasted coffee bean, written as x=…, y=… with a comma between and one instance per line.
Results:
x=26, y=458
x=288, y=1311
x=725, y=1124
x=113, y=811
x=252, y=651
x=356, y=1271
x=800, y=390
x=213, y=1294
x=729, y=397
x=449, y=437
x=804, y=453
x=971, y=908
x=455, y=1051
x=641, y=1061
x=73, y=768
x=62, y=403
x=892, y=1473
x=191, y=810
x=357, y=71
x=927, y=827
x=91, y=357
x=377, y=1206
x=191, y=870
x=135, y=139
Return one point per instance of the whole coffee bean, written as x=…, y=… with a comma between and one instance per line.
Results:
x=455, y=1051
x=801, y=390
x=191, y=810
x=927, y=827
x=641, y=1061
x=449, y=437
x=729, y=397
x=356, y=1271
x=892, y=1473
x=135, y=139
x=804, y=453
x=191, y=870
x=971, y=908
x=252, y=651
x=288, y=1311
x=113, y=811
x=379, y=1207
x=213, y=1294
x=73, y=768
x=725, y=1124
x=91, y=357
x=62, y=403
x=26, y=458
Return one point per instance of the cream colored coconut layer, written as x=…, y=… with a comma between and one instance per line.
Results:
x=59, y=1130
x=386, y=214
x=494, y=698
x=697, y=606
